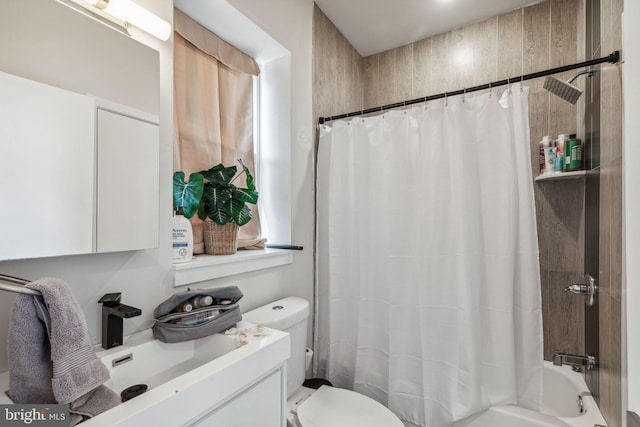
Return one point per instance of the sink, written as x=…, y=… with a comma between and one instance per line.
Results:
x=145, y=360
x=189, y=381
x=197, y=382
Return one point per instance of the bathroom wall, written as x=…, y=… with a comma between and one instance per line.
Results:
x=610, y=247
x=526, y=40
x=338, y=70
x=145, y=278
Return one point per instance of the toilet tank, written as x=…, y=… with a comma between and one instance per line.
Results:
x=289, y=315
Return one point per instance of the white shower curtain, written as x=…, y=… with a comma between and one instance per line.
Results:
x=428, y=296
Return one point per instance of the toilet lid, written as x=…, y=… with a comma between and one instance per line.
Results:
x=337, y=407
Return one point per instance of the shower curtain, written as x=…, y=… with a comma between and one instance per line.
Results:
x=428, y=296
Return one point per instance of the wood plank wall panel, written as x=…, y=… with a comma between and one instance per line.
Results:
x=338, y=70
x=422, y=59
x=610, y=316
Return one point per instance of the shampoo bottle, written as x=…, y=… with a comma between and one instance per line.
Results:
x=182, y=237
x=549, y=154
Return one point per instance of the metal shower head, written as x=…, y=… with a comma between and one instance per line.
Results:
x=565, y=90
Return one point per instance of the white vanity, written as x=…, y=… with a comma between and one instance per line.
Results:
x=205, y=382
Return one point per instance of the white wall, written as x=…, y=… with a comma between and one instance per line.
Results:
x=631, y=203
x=289, y=23
x=145, y=278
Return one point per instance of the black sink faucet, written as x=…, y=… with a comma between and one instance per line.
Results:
x=112, y=314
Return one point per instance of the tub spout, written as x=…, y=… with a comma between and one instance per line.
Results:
x=576, y=361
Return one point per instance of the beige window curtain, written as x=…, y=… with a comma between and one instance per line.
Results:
x=213, y=111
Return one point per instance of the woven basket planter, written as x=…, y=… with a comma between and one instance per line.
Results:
x=220, y=239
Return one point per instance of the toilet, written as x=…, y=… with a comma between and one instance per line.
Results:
x=327, y=406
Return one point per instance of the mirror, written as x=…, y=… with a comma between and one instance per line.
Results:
x=79, y=168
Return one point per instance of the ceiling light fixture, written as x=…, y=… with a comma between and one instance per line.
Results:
x=131, y=13
x=97, y=15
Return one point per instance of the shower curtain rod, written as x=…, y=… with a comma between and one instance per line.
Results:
x=15, y=284
x=612, y=58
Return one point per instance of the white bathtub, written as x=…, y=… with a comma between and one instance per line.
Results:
x=561, y=388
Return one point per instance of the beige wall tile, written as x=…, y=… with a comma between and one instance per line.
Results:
x=340, y=73
x=536, y=41
x=581, y=41
x=564, y=32
x=606, y=14
x=611, y=95
x=385, y=85
x=610, y=361
x=422, y=65
x=562, y=324
x=485, y=52
x=561, y=229
x=371, y=70
x=403, y=73
x=606, y=216
x=617, y=7
x=461, y=59
x=510, y=43
x=611, y=218
x=612, y=225
x=611, y=113
x=440, y=67
x=562, y=114
x=538, y=116
x=324, y=60
x=354, y=90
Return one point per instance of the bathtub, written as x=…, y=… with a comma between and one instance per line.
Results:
x=561, y=405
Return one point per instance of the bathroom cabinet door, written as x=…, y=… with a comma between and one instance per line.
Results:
x=47, y=151
x=261, y=405
x=78, y=174
x=128, y=181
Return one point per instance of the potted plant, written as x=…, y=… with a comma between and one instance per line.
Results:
x=212, y=194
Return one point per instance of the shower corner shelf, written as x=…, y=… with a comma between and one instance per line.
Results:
x=561, y=176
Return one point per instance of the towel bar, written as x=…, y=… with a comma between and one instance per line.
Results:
x=15, y=284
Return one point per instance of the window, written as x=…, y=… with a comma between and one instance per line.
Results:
x=272, y=124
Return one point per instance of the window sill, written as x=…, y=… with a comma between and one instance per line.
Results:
x=208, y=267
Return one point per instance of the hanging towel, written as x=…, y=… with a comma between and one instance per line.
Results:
x=50, y=355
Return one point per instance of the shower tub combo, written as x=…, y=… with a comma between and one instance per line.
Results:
x=566, y=402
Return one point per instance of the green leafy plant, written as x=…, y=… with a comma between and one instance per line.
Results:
x=187, y=194
x=212, y=194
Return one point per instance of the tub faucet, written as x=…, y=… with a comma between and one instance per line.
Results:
x=113, y=313
x=576, y=361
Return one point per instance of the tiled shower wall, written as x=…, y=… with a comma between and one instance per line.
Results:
x=610, y=274
x=526, y=40
x=535, y=38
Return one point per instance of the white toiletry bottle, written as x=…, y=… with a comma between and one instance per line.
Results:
x=550, y=157
x=182, y=237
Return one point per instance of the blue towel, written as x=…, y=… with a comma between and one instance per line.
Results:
x=50, y=355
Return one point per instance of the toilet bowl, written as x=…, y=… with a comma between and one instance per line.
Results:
x=327, y=406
